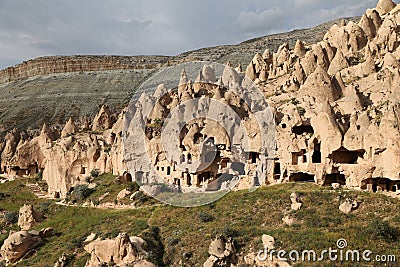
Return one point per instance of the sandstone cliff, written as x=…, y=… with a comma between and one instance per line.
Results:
x=64, y=64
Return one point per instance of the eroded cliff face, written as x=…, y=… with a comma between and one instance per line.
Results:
x=337, y=103
x=54, y=65
x=336, y=107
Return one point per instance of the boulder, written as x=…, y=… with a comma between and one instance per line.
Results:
x=46, y=232
x=288, y=219
x=295, y=198
x=348, y=206
x=123, y=194
x=268, y=242
x=385, y=6
x=90, y=238
x=221, y=251
x=18, y=244
x=119, y=251
x=62, y=261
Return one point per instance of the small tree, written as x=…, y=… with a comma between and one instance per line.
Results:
x=81, y=192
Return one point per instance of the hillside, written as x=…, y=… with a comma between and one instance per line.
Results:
x=243, y=215
x=299, y=149
x=52, y=89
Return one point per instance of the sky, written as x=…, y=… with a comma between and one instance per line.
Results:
x=33, y=28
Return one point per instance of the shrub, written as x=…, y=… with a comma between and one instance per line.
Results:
x=204, y=217
x=81, y=192
x=94, y=173
x=11, y=217
x=173, y=241
x=153, y=245
x=229, y=232
x=133, y=186
x=294, y=101
x=39, y=176
x=44, y=206
x=43, y=185
x=2, y=195
x=379, y=229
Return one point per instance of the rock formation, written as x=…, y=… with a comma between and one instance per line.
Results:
x=28, y=217
x=222, y=253
x=18, y=244
x=264, y=258
x=296, y=201
x=348, y=206
x=62, y=261
x=53, y=65
x=120, y=251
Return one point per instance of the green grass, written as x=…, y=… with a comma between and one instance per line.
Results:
x=243, y=215
x=107, y=183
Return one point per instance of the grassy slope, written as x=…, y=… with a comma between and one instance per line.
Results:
x=243, y=215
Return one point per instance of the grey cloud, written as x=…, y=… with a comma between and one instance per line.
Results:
x=47, y=27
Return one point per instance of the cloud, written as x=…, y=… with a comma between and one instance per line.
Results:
x=268, y=20
x=29, y=29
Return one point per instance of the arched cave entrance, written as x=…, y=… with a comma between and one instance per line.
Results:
x=334, y=178
x=126, y=177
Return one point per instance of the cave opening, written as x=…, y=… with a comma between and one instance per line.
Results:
x=301, y=177
x=345, y=156
x=316, y=156
x=277, y=170
x=299, y=157
x=380, y=184
x=334, y=178
x=303, y=129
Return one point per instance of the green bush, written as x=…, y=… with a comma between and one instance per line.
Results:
x=229, y=232
x=44, y=206
x=133, y=186
x=94, y=173
x=153, y=245
x=204, y=217
x=39, y=176
x=11, y=217
x=81, y=192
x=379, y=229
